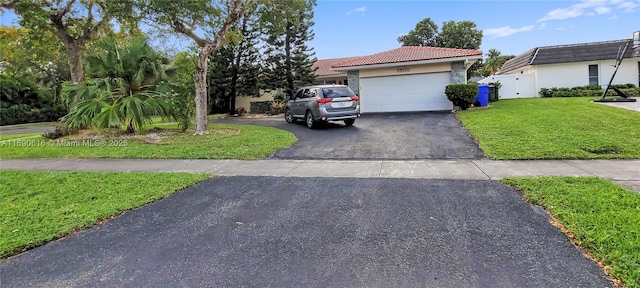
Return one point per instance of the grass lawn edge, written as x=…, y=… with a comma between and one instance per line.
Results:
x=101, y=220
x=571, y=235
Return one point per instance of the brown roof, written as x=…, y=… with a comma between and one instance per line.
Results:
x=593, y=51
x=324, y=66
x=408, y=54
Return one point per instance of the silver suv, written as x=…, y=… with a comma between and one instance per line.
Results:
x=323, y=103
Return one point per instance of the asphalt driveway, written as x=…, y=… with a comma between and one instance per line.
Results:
x=388, y=136
x=317, y=232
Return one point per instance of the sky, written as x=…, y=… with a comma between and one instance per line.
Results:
x=356, y=28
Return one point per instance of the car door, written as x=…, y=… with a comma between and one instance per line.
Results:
x=296, y=108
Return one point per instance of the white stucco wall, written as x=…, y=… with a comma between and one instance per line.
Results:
x=569, y=75
x=577, y=74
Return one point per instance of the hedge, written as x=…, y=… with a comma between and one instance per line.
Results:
x=588, y=91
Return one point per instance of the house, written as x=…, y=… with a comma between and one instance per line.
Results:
x=409, y=78
x=326, y=75
x=567, y=66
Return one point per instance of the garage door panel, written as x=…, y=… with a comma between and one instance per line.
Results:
x=418, y=92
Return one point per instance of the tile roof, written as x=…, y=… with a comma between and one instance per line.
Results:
x=567, y=53
x=408, y=54
x=324, y=66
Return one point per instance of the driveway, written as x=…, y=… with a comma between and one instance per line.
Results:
x=317, y=232
x=383, y=136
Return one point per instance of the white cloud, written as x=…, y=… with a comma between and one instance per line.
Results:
x=542, y=26
x=628, y=6
x=590, y=8
x=505, y=31
x=357, y=10
x=564, y=28
x=602, y=10
x=613, y=17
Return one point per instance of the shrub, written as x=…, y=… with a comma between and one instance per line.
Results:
x=240, y=111
x=462, y=95
x=60, y=131
x=587, y=91
x=277, y=107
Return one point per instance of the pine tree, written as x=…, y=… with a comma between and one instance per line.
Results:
x=236, y=66
x=289, y=60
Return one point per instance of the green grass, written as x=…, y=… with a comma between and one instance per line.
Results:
x=603, y=218
x=554, y=128
x=20, y=136
x=37, y=207
x=224, y=141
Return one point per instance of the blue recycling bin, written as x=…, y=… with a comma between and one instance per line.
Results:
x=483, y=95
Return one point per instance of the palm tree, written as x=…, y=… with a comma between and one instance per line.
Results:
x=128, y=85
x=494, y=62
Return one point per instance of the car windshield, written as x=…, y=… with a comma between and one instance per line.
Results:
x=336, y=92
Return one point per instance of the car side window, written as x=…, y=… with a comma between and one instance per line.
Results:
x=305, y=94
x=313, y=93
x=298, y=95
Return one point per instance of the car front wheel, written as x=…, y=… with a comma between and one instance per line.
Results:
x=349, y=122
x=289, y=117
x=309, y=120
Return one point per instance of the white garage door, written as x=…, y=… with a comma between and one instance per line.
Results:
x=417, y=92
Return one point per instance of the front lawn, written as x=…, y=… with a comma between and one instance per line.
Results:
x=224, y=141
x=37, y=207
x=601, y=217
x=554, y=128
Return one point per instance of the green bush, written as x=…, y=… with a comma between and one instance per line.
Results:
x=588, y=91
x=462, y=95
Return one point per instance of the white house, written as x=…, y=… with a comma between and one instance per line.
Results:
x=408, y=78
x=568, y=66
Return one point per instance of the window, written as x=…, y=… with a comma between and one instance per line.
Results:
x=305, y=94
x=346, y=82
x=593, y=75
x=298, y=95
x=337, y=92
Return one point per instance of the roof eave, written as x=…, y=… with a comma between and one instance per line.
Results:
x=407, y=63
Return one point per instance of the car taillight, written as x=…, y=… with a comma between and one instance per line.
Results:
x=355, y=98
x=325, y=100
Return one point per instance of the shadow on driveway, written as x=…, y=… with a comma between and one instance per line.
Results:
x=380, y=136
x=318, y=232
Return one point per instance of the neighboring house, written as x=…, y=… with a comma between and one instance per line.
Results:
x=566, y=66
x=409, y=78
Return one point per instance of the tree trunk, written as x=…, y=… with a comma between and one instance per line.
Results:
x=75, y=63
x=200, y=81
x=232, y=95
x=287, y=60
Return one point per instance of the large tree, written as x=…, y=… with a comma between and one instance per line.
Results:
x=207, y=23
x=425, y=34
x=287, y=30
x=237, y=66
x=74, y=22
x=461, y=35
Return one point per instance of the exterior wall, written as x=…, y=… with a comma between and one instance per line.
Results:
x=246, y=101
x=331, y=80
x=577, y=74
x=353, y=79
x=406, y=70
x=563, y=75
x=458, y=72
